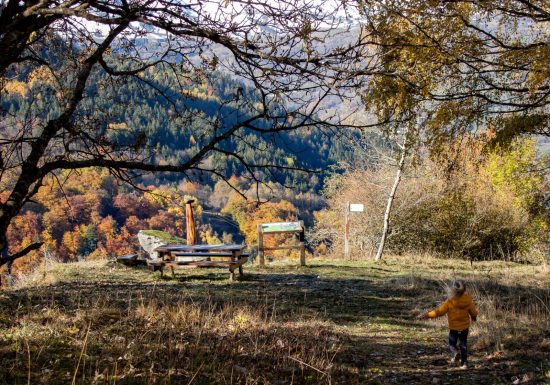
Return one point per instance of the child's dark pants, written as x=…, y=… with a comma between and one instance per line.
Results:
x=460, y=336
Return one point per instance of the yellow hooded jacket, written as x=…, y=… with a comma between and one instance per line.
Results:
x=458, y=310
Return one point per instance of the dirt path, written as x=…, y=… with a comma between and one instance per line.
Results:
x=385, y=340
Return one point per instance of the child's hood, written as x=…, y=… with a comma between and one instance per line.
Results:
x=462, y=302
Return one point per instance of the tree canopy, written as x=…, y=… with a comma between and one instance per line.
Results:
x=462, y=65
x=82, y=50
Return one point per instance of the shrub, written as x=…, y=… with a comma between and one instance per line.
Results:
x=488, y=205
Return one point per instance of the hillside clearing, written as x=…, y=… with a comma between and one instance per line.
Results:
x=332, y=322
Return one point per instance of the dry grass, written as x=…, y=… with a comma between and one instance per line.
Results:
x=333, y=322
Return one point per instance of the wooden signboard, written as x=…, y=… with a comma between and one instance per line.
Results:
x=279, y=228
x=282, y=227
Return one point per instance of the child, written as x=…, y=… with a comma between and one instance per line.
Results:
x=459, y=309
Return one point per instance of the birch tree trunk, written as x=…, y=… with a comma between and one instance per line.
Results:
x=400, y=166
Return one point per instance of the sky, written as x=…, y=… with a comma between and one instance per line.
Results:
x=231, y=11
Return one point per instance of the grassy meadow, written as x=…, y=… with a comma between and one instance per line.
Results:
x=332, y=322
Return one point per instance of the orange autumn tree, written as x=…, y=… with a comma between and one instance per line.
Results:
x=248, y=214
x=70, y=215
x=24, y=231
x=171, y=209
x=88, y=215
x=73, y=206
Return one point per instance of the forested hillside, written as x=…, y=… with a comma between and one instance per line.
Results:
x=88, y=214
x=149, y=118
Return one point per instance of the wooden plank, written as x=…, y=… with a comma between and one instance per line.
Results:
x=128, y=257
x=206, y=255
x=261, y=258
x=129, y=260
x=205, y=248
x=202, y=263
x=283, y=232
x=278, y=227
x=282, y=248
x=156, y=263
x=240, y=260
x=238, y=263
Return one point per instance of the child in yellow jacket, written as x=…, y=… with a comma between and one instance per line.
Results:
x=459, y=309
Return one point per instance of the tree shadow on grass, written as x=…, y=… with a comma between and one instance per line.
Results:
x=318, y=329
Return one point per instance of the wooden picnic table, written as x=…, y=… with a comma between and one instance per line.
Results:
x=186, y=255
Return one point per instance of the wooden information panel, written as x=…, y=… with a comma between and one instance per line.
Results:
x=279, y=228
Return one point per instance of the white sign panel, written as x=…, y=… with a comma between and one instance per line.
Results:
x=281, y=226
x=356, y=207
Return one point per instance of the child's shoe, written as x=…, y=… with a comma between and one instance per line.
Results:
x=464, y=366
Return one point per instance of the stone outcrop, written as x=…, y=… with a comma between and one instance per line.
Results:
x=151, y=239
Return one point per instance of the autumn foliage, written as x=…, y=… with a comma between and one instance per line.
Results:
x=88, y=215
x=249, y=214
x=473, y=200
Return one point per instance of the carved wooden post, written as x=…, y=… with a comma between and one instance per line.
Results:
x=190, y=223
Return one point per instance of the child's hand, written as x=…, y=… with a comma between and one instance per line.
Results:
x=425, y=316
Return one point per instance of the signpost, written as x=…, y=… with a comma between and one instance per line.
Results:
x=350, y=208
x=356, y=207
x=279, y=228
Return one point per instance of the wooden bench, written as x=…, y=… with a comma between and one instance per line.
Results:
x=231, y=265
x=200, y=254
x=174, y=256
x=130, y=260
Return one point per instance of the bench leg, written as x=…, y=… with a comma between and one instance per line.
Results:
x=161, y=268
x=231, y=275
x=173, y=274
x=240, y=270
